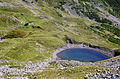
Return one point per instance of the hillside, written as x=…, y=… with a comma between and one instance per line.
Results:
x=31, y=30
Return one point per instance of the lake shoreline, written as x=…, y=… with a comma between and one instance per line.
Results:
x=70, y=46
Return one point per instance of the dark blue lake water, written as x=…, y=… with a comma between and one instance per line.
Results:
x=82, y=54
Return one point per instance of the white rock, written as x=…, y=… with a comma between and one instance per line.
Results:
x=1, y=74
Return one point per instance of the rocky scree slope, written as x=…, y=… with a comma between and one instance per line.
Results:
x=101, y=11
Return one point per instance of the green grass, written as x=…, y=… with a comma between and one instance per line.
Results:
x=40, y=44
x=48, y=39
x=15, y=34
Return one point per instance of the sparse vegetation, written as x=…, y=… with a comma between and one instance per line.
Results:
x=60, y=5
x=112, y=29
x=114, y=40
x=71, y=72
x=15, y=34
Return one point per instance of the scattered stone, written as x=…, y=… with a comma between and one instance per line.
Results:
x=37, y=27
x=29, y=23
x=85, y=77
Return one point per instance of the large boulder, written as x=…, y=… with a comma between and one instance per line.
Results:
x=117, y=52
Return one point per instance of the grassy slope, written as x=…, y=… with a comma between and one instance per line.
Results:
x=41, y=43
x=51, y=38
